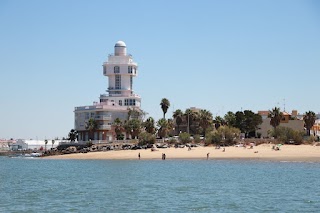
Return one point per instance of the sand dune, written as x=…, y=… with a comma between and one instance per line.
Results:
x=264, y=151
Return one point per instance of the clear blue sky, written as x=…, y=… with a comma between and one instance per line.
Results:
x=216, y=55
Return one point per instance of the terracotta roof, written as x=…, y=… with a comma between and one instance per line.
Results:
x=263, y=112
x=285, y=113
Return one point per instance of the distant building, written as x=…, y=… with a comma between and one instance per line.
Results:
x=289, y=120
x=19, y=145
x=120, y=70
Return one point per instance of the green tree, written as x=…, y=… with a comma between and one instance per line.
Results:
x=230, y=119
x=163, y=128
x=91, y=126
x=218, y=121
x=251, y=121
x=191, y=118
x=52, y=144
x=205, y=119
x=133, y=127
x=170, y=126
x=118, y=128
x=73, y=135
x=165, y=104
x=275, y=115
x=239, y=121
x=135, y=113
x=309, y=120
x=149, y=125
x=178, y=115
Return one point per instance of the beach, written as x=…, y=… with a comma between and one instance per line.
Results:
x=263, y=152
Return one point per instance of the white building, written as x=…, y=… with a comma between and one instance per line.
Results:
x=120, y=70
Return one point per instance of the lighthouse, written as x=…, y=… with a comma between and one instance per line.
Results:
x=120, y=70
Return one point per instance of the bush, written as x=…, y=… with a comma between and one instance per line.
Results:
x=184, y=137
x=311, y=139
x=172, y=141
x=146, y=138
x=213, y=138
x=197, y=139
x=286, y=134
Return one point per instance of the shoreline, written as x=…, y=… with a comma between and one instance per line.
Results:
x=292, y=153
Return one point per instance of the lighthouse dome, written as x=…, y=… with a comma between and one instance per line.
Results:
x=120, y=44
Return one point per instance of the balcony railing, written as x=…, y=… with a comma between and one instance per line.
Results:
x=105, y=127
x=103, y=117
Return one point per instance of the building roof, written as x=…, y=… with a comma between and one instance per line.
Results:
x=120, y=44
x=263, y=113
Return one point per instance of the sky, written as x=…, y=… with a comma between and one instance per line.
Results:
x=215, y=55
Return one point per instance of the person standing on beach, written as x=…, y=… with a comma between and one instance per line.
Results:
x=139, y=155
x=163, y=156
x=208, y=155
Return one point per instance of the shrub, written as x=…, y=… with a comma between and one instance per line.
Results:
x=197, y=139
x=286, y=134
x=184, y=137
x=146, y=138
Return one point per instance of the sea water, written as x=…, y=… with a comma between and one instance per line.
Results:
x=44, y=185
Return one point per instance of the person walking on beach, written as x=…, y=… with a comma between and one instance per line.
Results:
x=208, y=155
x=139, y=155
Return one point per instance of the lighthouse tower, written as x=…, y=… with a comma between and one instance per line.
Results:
x=120, y=70
x=120, y=98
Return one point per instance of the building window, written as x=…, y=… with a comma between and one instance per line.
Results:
x=104, y=70
x=116, y=69
x=118, y=82
x=129, y=69
x=131, y=82
x=129, y=102
x=120, y=102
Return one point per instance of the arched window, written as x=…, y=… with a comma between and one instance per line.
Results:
x=116, y=69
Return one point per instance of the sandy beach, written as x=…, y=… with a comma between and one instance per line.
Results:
x=263, y=152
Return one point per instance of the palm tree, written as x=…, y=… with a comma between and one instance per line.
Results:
x=309, y=120
x=190, y=117
x=170, y=125
x=178, y=114
x=165, y=104
x=45, y=144
x=219, y=121
x=52, y=144
x=132, y=127
x=118, y=128
x=163, y=128
x=149, y=125
x=205, y=119
x=91, y=125
x=73, y=135
x=230, y=119
x=275, y=116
